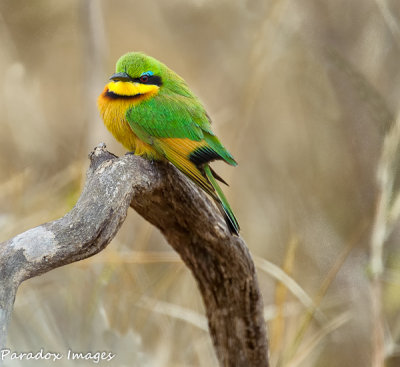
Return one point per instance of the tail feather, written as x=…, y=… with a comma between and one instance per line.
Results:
x=218, y=177
x=203, y=176
x=223, y=204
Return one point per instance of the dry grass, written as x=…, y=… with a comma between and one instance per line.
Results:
x=304, y=94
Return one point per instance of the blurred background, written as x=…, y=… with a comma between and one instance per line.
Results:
x=305, y=94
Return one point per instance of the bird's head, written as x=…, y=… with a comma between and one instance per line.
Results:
x=141, y=77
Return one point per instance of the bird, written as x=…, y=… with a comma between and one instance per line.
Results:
x=151, y=111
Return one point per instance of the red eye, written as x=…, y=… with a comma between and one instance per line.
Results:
x=144, y=78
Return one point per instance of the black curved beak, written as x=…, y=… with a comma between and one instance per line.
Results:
x=124, y=77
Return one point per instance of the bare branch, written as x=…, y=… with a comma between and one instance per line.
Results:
x=221, y=263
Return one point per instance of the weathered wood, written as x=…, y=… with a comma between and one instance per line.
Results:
x=221, y=263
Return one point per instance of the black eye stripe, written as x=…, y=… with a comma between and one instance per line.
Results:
x=151, y=79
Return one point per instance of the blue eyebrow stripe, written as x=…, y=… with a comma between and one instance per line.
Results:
x=149, y=73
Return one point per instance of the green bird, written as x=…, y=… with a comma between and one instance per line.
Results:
x=152, y=112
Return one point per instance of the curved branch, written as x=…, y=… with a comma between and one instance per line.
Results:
x=221, y=263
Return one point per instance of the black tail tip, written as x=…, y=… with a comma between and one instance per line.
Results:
x=232, y=224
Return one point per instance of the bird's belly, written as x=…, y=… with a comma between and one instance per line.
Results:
x=114, y=117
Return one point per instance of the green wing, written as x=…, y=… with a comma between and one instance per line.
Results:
x=179, y=128
x=169, y=117
x=176, y=116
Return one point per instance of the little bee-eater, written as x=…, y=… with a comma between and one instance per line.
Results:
x=152, y=112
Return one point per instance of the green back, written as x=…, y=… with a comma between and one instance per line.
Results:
x=175, y=112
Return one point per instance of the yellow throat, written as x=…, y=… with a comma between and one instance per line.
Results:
x=117, y=98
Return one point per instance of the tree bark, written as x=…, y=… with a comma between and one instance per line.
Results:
x=220, y=262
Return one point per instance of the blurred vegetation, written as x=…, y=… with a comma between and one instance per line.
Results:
x=303, y=95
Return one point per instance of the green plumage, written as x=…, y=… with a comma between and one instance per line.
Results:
x=176, y=125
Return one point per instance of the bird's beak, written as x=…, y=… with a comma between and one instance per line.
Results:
x=124, y=77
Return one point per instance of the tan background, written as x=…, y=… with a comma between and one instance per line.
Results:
x=301, y=92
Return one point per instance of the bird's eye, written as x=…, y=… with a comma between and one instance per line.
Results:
x=144, y=78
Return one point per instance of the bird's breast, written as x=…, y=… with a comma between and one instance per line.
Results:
x=113, y=111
